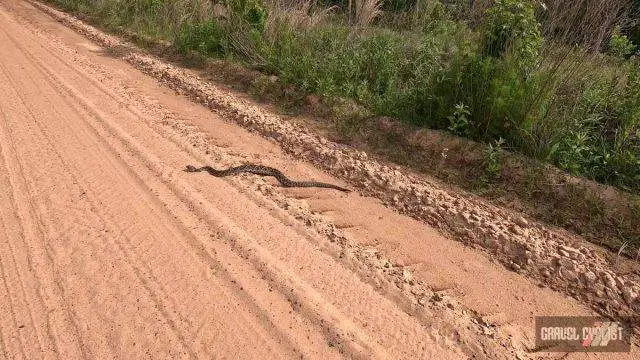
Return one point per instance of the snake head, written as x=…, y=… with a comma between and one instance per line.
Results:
x=190, y=168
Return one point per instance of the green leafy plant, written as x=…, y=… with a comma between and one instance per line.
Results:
x=492, y=161
x=459, y=121
x=511, y=28
x=619, y=45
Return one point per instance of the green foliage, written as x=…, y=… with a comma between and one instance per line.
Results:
x=251, y=11
x=492, y=161
x=619, y=45
x=497, y=81
x=459, y=121
x=600, y=139
x=575, y=150
x=511, y=28
x=389, y=72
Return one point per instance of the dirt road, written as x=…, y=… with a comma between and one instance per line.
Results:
x=109, y=250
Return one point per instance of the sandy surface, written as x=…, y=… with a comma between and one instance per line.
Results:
x=109, y=250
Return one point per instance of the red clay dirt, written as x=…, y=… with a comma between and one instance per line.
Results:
x=109, y=250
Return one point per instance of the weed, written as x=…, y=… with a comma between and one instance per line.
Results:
x=459, y=121
x=492, y=161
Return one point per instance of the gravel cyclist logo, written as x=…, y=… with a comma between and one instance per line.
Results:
x=601, y=333
x=581, y=333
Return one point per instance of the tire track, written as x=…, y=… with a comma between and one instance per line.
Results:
x=14, y=280
x=8, y=324
x=135, y=265
x=34, y=247
x=38, y=255
x=3, y=349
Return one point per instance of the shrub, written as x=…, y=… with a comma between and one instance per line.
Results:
x=619, y=45
x=600, y=138
x=511, y=27
x=251, y=11
x=459, y=121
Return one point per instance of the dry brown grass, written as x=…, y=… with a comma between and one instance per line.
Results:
x=303, y=14
x=588, y=23
x=365, y=11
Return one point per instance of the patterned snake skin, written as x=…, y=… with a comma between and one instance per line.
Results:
x=263, y=171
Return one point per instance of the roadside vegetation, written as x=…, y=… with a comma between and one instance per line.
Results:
x=556, y=81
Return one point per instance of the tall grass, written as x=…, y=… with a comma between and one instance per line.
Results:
x=365, y=11
x=554, y=80
x=585, y=22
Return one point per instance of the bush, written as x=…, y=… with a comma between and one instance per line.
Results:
x=251, y=11
x=601, y=138
x=619, y=45
x=511, y=28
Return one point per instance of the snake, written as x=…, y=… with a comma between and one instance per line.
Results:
x=263, y=171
